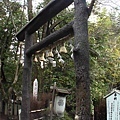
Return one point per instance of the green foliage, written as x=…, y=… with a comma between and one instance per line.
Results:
x=10, y=22
x=66, y=117
x=105, y=62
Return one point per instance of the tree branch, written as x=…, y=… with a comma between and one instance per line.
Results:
x=91, y=7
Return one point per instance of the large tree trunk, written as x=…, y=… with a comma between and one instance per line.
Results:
x=81, y=59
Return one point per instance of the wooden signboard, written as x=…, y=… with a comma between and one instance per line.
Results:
x=113, y=105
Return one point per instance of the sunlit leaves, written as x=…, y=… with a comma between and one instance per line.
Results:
x=105, y=65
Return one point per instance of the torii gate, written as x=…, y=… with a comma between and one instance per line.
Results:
x=51, y=10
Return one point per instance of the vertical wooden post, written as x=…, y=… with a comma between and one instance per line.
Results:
x=25, y=113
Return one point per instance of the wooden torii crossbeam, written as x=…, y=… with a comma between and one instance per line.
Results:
x=51, y=10
x=50, y=39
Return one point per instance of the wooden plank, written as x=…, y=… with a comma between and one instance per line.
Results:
x=39, y=114
x=40, y=110
x=51, y=10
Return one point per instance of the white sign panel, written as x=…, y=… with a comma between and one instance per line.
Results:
x=59, y=105
x=113, y=107
x=35, y=88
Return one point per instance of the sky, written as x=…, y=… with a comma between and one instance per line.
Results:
x=108, y=4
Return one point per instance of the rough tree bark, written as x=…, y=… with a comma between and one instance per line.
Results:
x=81, y=60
